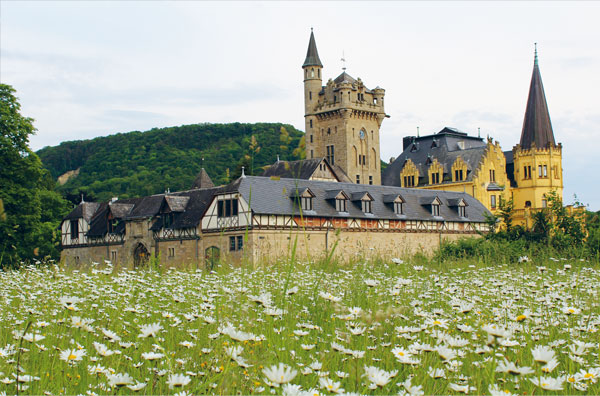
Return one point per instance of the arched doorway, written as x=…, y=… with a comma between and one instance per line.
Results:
x=140, y=255
x=211, y=257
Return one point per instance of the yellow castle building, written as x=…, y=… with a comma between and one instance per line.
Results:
x=343, y=119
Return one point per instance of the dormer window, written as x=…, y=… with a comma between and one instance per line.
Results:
x=305, y=198
x=433, y=203
x=396, y=201
x=458, y=175
x=399, y=208
x=306, y=203
x=460, y=205
x=367, y=207
x=366, y=201
x=340, y=205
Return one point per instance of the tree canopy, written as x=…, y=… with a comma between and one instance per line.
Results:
x=144, y=163
x=30, y=209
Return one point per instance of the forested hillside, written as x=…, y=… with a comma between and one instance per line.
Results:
x=143, y=163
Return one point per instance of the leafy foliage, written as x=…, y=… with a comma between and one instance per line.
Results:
x=556, y=230
x=144, y=163
x=30, y=209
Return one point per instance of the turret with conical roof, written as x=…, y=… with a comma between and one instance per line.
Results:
x=537, y=159
x=312, y=55
x=537, y=127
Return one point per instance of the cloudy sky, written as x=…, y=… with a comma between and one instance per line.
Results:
x=86, y=69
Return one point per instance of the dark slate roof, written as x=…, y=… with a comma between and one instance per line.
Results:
x=537, y=127
x=84, y=210
x=312, y=56
x=268, y=196
x=120, y=210
x=302, y=169
x=344, y=78
x=177, y=203
x=203, y=180
x=445, y=146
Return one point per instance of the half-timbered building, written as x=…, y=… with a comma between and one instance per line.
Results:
x=258, y=219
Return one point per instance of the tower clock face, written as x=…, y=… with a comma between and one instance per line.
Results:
x=362, y=134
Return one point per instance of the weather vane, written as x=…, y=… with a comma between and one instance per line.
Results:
x=343, y=61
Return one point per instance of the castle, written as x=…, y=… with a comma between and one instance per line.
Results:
x=337, y=202
x=342, y=121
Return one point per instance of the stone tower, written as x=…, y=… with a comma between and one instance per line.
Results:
x=342, y=120
x=537, y=158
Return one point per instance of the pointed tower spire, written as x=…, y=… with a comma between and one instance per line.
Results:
x=537, y=127
x=312, y=56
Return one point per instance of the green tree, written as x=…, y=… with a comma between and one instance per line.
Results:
x=32, y=209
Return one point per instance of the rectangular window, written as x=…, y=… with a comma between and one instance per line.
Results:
x=311, y=138
x=493, y=201
x=435, y=210
x=232, y=244
x=311, y=127
x=539, y=170
x=171, y=252
x=492, y=175
x=306, y=203
x=309, y=95
x=357, y=179
x=340, y=205
x=435, y=178
x=366, y=207
x=371, y=180
x=458, y=175
x=240, y=242
x=462, y=212
x=74, y=229
x=545, y=171
x=227, y=207
x=311, y=154
x=412, y=181
x=398, y=209
x=330, y=155
x=529, y=171
x=113, y=256
x=544, y=203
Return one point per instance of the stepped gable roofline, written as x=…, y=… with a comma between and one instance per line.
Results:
x=312, y=55
x=447, y=149
x=202, y=180
x=537, y=127
x=266, y=199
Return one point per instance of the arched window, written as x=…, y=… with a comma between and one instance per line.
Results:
x=312, y=72
x=212, y=256
x=374, y=156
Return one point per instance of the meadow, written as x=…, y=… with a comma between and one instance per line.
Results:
x=363, y=327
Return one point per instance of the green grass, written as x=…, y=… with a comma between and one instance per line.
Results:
x=426, y=298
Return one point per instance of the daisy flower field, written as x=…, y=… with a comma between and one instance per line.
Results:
x=362, y=327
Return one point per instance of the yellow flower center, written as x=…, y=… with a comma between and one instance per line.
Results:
x=544, y=384
x=72, y=357
x=437, y=322
x=571, y=379
x=588, y=375
x=521, y=318
x=401, y=353
x=571, y=310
